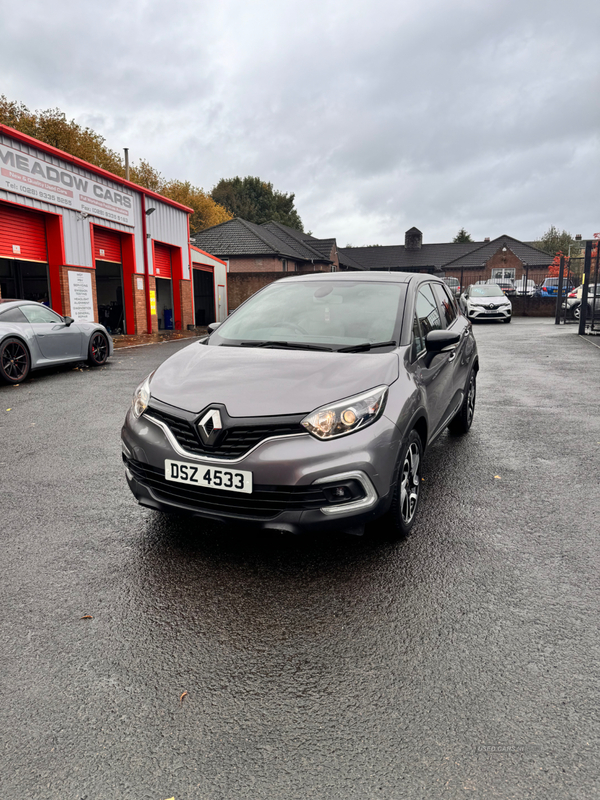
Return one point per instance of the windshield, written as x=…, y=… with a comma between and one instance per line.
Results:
x=330, y=313
x=493, y=290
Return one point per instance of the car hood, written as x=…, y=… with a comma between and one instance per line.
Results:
x=253, y=382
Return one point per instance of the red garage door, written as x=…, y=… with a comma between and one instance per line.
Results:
x=107, y=245
x=162, y=261
x=22, y=235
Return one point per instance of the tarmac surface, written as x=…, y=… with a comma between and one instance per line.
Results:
x=221, y=664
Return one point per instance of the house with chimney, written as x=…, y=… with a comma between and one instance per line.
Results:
x=501, y=258
x=256, y=255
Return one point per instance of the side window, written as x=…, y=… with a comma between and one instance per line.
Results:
x=427, y=311
x=40, y=314
x=13, y=315
x=445, y=301
x=418, y=342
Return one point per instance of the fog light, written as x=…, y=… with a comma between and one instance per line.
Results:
x=343, y=492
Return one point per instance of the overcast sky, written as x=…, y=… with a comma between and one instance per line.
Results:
x=377, y=115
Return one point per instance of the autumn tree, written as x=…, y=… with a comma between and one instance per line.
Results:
x=462, y=237
x=255, y=200
x=52, y=127
x=206, y=212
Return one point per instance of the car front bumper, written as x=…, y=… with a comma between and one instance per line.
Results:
x=480, y=312
x=288, y=474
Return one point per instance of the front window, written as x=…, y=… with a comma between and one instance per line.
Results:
x=492, y=290
x=332, y=313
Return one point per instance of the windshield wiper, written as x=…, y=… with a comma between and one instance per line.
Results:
x=285, y=345
x=358, y=348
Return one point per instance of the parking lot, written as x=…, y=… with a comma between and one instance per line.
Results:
x=145, y=656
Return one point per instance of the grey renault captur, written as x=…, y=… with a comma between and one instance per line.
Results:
x=310, y=407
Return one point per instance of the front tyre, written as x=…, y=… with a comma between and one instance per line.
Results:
x=98, y=349
x=15, y=362
x=463, y=419
x=401, y=516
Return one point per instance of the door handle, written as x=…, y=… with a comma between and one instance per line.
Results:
x=452, y=356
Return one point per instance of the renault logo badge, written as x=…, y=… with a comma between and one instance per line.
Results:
x=210, y=426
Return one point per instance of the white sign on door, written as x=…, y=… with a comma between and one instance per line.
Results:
x=80, y=294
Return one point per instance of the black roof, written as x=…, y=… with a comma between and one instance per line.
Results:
x=238, y=237
x=440, y=256
x=532, y=256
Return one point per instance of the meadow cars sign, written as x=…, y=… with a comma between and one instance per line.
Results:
x=24, y=174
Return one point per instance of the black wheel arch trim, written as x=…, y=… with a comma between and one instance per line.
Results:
x=23, y=342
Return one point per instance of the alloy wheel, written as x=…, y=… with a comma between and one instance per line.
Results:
x=471, y=399
x=15, y=361
x=410, y=484
x=99, y=348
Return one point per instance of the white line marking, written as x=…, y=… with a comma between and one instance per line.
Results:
x=582, y=336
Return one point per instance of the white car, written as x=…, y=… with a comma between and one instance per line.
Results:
x=486, y=301
x=522, y=289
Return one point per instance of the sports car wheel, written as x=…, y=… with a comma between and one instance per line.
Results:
x=401, y=516
x=98, y=349
x=14, y=361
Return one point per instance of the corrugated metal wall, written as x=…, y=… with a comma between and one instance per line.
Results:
x=167, y=224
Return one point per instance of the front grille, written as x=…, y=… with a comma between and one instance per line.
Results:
x=265, y=502
x=238, y=438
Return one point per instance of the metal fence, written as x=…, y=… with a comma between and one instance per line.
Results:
x=582, y=305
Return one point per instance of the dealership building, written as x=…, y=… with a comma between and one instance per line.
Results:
x=97, y=247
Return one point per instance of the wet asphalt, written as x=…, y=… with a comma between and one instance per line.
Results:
x=224, y=663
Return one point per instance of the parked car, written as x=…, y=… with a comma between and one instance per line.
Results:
x=506, y=284
x=549, y=287
x=524, y=290
x=572, y=302
x=486, y=301
x=453, y=285
x=310, y=407
x=33, y=336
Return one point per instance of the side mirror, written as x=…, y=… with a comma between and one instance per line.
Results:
x=440, y=341
x=213, y=326
x=68, y=321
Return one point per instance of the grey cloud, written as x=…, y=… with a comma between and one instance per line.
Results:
x=378, y=116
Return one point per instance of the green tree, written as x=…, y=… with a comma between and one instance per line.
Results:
x=553, y=241
x=255, y=200
x=461, y=237
x=52, y=127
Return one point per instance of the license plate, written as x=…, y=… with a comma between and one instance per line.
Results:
x=211, y=477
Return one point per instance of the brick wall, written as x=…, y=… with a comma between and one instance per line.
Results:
x=504, y=259
x=254, y=264
x=316, y=267
x=64, y=289
x=139, y=304
x=185, y=287
x=499, y=260
x=240, y=286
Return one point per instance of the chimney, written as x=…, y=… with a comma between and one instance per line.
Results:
x=413, y=239
x=577, y=237
x=487, y=238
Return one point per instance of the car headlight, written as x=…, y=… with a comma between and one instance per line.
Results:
x=141, y=397
x=347, y=416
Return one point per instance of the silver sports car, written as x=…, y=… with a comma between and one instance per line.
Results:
x=33, y=336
